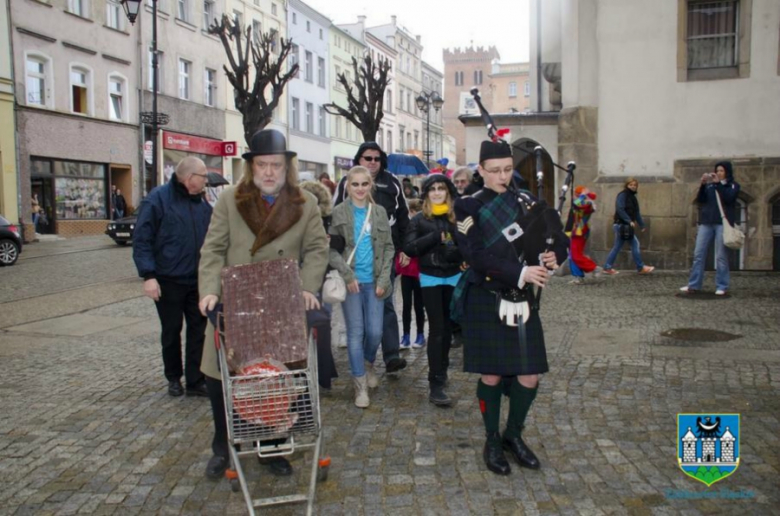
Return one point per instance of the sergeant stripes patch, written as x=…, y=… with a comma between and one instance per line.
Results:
x=465, y=224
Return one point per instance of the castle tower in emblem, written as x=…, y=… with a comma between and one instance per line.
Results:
x=689, y=446
x=727, y=446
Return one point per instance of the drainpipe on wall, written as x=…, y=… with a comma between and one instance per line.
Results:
x=539, y=56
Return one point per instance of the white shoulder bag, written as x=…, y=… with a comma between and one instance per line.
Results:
x=733, y=238
x=334, y=290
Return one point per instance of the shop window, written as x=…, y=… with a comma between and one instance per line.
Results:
x=80, y=90
x=79, y=190
x=115, y=17
x=38, y=81
x=117, y=97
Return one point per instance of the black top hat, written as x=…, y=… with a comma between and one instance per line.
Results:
x=494, y=150
x=268, y=141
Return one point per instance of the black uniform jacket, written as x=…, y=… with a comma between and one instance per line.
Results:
x=423, y=239
x=485, y=229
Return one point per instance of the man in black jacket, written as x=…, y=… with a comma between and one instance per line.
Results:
x=388, y=193
x=171, y=228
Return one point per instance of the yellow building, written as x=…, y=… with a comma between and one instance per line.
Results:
x=9, y=202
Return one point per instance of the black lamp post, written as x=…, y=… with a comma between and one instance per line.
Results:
x=153, y=118
x=424, y=102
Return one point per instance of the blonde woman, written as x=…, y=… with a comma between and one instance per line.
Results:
x=365, y=266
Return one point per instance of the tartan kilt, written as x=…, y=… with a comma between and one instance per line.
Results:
x=490, y=347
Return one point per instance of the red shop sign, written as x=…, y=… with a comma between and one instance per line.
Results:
x=194, y=144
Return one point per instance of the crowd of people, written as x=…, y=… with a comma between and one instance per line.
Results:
x=456, y=244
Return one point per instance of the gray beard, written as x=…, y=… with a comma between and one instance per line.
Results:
x=257, y=184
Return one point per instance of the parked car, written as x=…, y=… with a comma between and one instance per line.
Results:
x=121, y=230
x=10, y=242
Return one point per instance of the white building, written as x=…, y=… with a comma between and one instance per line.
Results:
x=380, y=51
x=310, y=90
x=408, y=84
x=655, y=90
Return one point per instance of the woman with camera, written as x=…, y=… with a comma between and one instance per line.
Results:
x=715, y=186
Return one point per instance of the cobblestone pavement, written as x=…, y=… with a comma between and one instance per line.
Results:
x=86, y=426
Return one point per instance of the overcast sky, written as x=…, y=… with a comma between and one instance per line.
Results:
x=444, y=24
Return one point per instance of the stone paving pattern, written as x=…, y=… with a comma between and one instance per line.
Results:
x=86, y=426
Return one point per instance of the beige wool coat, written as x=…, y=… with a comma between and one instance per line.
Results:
x=229, y=240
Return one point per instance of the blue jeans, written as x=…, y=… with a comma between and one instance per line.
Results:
x=704, y=236
x=363, y=315
x=619, y=245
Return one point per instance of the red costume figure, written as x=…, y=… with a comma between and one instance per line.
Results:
x=583, y=209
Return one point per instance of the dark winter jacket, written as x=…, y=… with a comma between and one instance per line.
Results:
x=169, y=233
x=627, y=209
x=423, y=239
x=388, y=193
x=709, y=213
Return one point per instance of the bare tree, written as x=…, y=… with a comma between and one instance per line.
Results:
x=270, y=74
x=365, y=95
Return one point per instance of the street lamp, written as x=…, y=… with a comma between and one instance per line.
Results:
x=153, y=118
x=424, y=102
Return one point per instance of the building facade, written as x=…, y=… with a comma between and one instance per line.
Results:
x=345, y=137
x=77, y=112
x=310, y=90
x=190, y=73
x=661, y=97
x=406, y=87
x=262, y=16
x=465, y=69
x=510, y=88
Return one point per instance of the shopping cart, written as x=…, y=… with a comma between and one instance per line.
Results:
x=267, y=360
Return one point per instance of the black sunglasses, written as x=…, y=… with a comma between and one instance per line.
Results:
x=371, y=158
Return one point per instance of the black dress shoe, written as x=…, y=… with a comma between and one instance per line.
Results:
x=523, y=454
x=198, y=390
x=216, y=467
x=395, y=365
x=494, y=457
x=175, y=388
x=279, y=466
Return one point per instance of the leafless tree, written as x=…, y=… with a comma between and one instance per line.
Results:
x=365, y=95
x=257, y=92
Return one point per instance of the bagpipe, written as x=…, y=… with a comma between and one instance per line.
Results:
x=541, y=224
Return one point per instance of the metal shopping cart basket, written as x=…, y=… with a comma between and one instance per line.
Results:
x=268, y=364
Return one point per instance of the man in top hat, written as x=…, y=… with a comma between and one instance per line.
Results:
x=172, y=223
x=266, y=216
x=389, y=194
x=495, y=301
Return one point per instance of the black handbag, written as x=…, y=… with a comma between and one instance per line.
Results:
x=626, y=231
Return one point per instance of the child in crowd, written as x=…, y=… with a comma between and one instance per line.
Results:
x=410, y=290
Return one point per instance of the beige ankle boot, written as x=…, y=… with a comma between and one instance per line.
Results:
x=361, y=391
x=371, y=377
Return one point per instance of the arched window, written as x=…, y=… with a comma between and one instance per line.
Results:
x=117, y=97
x=39, y=80
x=81, y=89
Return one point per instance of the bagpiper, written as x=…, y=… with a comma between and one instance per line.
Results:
x=511, y=242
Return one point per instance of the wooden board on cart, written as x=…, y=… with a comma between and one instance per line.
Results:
x=264, y=313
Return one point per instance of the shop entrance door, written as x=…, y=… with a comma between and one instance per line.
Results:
x=43, y=187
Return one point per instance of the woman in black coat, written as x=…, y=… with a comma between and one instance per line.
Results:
x=431, y=237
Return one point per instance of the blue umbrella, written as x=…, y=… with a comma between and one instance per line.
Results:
x=406, y=165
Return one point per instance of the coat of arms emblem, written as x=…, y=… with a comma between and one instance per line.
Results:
x=708, y=445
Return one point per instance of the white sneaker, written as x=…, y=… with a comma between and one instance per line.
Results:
x=578, y=281
x=597, y=272
x=684, y=289
x=720, y=292
x=361, y=392
x=371, y=377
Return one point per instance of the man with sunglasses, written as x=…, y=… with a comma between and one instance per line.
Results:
x=171, y=228
x=388, y=193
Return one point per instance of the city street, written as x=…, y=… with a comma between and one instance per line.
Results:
x=87, y=427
